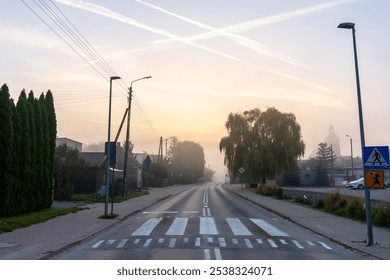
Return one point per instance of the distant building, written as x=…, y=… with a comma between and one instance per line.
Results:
x=70, y=143
x=331, y=140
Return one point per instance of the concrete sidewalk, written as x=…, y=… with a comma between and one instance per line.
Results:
x=352, y=234
x=44, y=240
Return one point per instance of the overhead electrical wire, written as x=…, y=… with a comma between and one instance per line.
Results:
x=79, y=44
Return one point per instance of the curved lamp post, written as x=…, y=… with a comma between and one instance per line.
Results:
x=128, y=131
x=350, y=25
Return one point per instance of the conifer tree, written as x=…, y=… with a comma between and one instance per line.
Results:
x=6, y=138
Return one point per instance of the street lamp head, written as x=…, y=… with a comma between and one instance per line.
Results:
x=115, y=78
x=346, y=25
x=148, y=77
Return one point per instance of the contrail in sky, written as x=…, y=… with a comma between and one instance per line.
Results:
x=239, y=39
x=247, y=25
x=97, y=9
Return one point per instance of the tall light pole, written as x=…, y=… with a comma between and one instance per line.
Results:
x=128, y=131
x=350, y=141
x=107, y=179
x=350, y=25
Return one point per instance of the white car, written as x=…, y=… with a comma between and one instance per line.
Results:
x=358, y=184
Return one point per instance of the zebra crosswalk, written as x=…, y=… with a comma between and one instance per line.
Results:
x=209, y=242
x=208, y=226
x=206, y=232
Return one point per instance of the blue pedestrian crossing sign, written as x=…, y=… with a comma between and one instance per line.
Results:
x=376, y=158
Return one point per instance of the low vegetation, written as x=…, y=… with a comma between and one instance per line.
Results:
x=8, y=224
x=337, y=204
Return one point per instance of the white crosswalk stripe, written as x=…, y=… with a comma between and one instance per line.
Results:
x=237, y=226
x=178, y=227
x=213, y=233
x=207, y=226
x=147, y=228
x=268, y=228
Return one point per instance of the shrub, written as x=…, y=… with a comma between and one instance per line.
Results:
x=355, y=209
x=381, y=215
x=267, y=190
x=334, y=201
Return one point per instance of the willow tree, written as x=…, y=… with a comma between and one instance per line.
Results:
x=263, y=143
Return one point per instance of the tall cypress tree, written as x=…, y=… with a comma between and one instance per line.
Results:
x=46, y=177
x=33, y=152
x=38, y=166
x=52, y=135
x=25, y=172
x=17, y=158
x=6, y=140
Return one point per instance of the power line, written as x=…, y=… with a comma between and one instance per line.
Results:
x=84, y=50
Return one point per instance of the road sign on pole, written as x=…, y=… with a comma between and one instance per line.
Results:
x=376, y=158
x=374, y=179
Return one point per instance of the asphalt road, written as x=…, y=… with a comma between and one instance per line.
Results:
x=208, y=222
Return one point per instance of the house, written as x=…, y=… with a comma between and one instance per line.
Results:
x=92, y=179
x=70, y=143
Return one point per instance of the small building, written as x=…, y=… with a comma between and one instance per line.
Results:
x=92, y=179
x=70, y=143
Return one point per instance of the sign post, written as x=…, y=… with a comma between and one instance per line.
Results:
x=242, y=170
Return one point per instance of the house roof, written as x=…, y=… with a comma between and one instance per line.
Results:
x=93, y=158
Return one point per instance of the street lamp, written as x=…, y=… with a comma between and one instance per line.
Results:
x=350, y=25
x=107, y=179
x=350, y=140
x=128, y=131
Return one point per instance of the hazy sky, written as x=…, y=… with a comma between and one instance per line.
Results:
x=207, y=58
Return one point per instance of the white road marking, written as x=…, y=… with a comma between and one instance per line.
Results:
x=147, y=227
x=234, y=240
x=283, y=241
x=190, y=212
x=197, y=242
x=268, y=228
x=272, y=243
x=136, y=241
x=298, y=244
x=161, y=240
x=222, y=242
x=110, y=242
x=178, y=227
x=207, y=254
x=259, y=241
x=210, y=240
x=217, y=253
x=171, y=212
x=310, y=243
x=237, y=227
x=97, y=244
x=122, y=243
x=207, y=226
x=324, y=245
x=147, y=243
x=172, y=243
x=248, y=243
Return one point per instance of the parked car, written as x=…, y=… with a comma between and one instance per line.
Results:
x=344, y=184
x=358, y=184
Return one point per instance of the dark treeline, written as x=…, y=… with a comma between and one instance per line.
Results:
x=28, y=130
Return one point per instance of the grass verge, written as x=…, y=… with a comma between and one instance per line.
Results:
x=8, y=224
